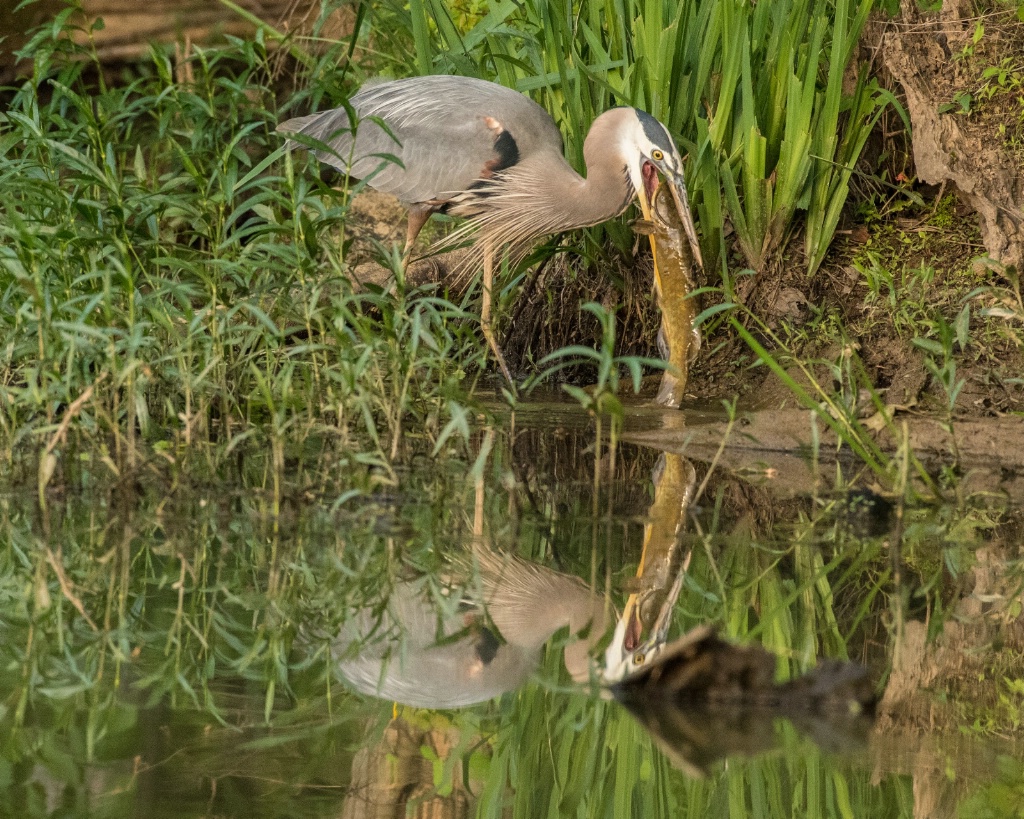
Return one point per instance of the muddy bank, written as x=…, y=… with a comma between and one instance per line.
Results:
x=775, y=447
x=841, y=321
x=989, y=440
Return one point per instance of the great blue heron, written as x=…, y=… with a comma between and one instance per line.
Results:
x=485, y=152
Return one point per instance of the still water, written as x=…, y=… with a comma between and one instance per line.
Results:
x=445, y=643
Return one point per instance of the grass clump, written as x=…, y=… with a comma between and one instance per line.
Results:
x=169, y=277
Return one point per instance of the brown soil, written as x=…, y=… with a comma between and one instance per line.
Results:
x=967, y=126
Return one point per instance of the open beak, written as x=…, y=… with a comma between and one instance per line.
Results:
x=677, y=184
x=646, y=192
x=664, y=605
x=634, y=643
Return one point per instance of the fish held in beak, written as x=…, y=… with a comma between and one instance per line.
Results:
x=674, y=281
x=677, y=185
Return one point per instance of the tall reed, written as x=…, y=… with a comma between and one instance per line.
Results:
x=754, y=92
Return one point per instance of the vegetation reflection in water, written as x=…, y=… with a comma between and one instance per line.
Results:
x=175, y=654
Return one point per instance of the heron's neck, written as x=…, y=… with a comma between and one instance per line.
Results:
x=543, y=194
x=607, y=190
x=528, y=603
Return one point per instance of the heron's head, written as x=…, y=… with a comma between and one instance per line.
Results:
x=651, y=155
x=642, y=631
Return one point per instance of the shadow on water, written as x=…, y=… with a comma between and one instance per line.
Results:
x=218, y=651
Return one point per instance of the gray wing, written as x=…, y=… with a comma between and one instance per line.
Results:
x=399, y=656
x=446, y=132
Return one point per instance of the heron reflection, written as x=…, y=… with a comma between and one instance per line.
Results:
x=485, y=636
x=701, y=697
x=488, y=641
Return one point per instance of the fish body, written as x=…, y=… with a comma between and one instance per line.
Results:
x=642, y=630
x=664, y=559
x=674, y=281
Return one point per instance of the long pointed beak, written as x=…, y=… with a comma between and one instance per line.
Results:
x=635, y=643
x=677, y=184
x=646, y=205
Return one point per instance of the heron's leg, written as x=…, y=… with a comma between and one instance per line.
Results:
x=418, y=217
x=485, y=311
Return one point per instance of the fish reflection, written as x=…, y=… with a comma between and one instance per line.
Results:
x=641, y=632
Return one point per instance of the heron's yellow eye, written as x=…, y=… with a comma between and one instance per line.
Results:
x=638, y=658
x=657, y=156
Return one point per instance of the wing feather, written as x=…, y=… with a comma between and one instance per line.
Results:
x=436, y=128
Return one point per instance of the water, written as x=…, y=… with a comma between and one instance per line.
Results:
x=172, y=650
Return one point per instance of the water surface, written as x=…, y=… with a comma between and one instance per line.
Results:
x=173, y=650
